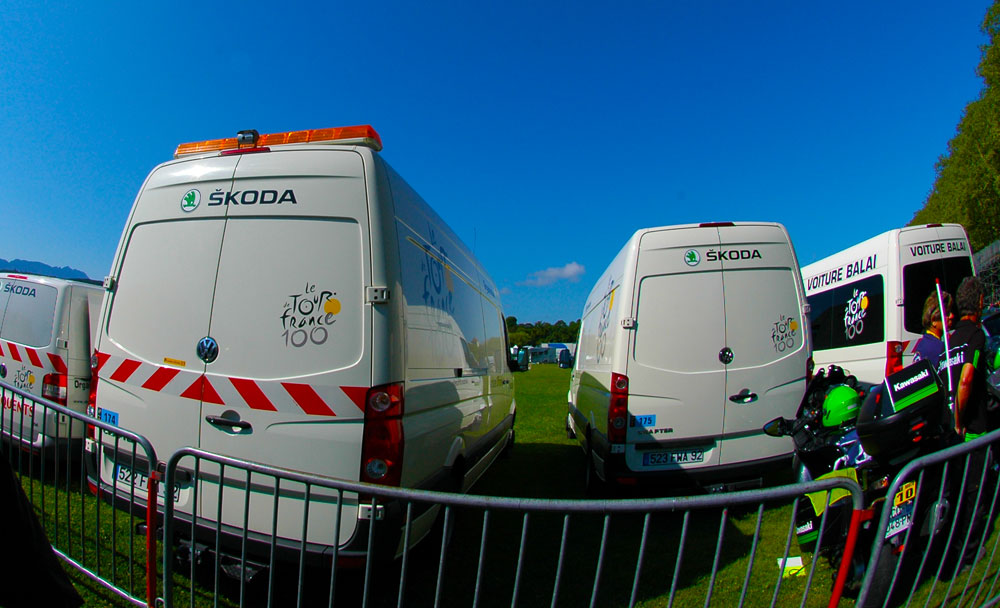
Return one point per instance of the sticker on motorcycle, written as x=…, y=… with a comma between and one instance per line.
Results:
x=901, y=517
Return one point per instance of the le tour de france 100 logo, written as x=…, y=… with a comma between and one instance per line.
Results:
x=307, y=315
x=783, y=333
x=854, y=314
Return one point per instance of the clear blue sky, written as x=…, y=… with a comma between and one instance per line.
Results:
x=545, y=134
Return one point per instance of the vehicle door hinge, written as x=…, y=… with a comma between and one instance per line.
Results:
x=62, y=343
x=628, y=323
x=376, y=295
x=899, y=301
x=109, y=283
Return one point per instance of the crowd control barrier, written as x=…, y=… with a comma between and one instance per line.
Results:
x=51, y=449
x=486, y=550
x=950, y=553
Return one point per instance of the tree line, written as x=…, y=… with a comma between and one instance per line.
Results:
x=533, y=334
x=967, y=187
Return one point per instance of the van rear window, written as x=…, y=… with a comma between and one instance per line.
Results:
x=918, y=283
x=849, y=315
x=28, y=312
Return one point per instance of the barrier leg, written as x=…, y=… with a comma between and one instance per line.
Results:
x=151, y=537
x=845, y=561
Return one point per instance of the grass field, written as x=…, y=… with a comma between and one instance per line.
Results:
x=543, y=464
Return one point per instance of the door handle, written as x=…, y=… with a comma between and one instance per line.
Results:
x=744, y=396
x=222, y=421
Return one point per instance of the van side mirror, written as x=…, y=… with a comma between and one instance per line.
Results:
x=776, y=428
x=512, y=365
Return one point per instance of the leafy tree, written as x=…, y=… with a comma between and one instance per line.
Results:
x=967, y=188
x=533, y=334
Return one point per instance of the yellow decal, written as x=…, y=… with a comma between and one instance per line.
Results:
x=332, y=306
x=907, y=493
x=864, y=303
x=174, y=362
x=31, y=379
x=611, y=302
x=794, y=325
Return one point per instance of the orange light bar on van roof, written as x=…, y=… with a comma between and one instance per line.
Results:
x=364, y=135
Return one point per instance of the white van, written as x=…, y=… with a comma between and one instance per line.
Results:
x=867, y=300
x=690, y=342
x=45, y=348
x=299, y=305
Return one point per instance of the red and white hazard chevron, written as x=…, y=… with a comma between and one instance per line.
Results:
x=274, y=396
x=30, y=356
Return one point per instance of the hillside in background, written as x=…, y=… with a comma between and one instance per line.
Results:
x=29, y=267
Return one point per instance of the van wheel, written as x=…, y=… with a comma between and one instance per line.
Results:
x=509, y=448
x=594, y=486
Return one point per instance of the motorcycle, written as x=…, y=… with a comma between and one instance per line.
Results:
x=847, y=428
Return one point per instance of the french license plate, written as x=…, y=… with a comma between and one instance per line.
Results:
x=673, y=457
x=140, y=482
x=901, y=517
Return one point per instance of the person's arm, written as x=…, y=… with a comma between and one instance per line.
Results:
x=964, y=390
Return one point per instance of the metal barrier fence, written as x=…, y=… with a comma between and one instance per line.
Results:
x=951, y=548
x=281, y=533
x=47, y=449
x=257, y=535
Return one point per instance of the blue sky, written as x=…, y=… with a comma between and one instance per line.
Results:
x=544, y=135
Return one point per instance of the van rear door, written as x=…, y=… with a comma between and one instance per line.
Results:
x=293, y=333
x=765, y=335
x=149, y=377
x=676, y=380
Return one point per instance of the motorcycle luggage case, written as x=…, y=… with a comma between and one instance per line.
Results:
x=899, y=418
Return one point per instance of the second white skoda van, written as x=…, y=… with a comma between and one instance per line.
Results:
x=691, y=340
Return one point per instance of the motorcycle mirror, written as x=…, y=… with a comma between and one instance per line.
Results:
x=776, y=428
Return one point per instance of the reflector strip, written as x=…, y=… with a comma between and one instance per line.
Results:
x=57, y=363
x=125, y=370
x=33, y=357
x=271, y=396
x=252, y=394
x=308, y=400
x=356, y=394
x=160, y=378
x=202, y=390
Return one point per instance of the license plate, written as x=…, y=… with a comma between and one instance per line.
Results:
x=140, y=482
x=107, y=416
x=901, y=517
x=673, y=457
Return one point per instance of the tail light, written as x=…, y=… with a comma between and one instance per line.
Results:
x=893, y=357
x=618, y=409
x=54, y=388
x=382, y=444
x=92, y=396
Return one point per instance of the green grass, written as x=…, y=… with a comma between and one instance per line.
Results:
x=543, y=464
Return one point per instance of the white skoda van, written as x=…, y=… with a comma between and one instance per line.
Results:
x=867, y=300
x=692, y=339
x=45, y=348
x=299, y=305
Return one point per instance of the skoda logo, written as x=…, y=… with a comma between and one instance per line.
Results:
x=692, y=257
x=208, y=349
x=190, y=200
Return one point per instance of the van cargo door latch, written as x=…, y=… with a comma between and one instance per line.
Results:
x=376, y=295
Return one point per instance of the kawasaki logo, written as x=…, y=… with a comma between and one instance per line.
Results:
x=251, y=197
x=910, y=381
x=733, y=254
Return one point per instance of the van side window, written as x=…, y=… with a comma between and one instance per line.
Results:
x=918, y=283
x=29, y=313
x=849, y=315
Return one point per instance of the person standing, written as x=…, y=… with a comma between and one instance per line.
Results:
x=966, y=362
x=930, y=346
